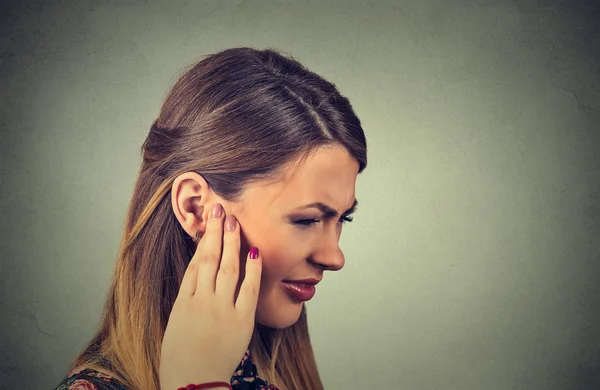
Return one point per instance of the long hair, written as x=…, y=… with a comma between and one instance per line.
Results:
x=234, y=117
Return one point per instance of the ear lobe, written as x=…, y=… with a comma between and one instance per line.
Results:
x=188, y=196
x=192, y=217
x=200, y=229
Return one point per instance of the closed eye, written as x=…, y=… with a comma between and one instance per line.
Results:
x=310, y=222
x=306, y=222
x=347, y=218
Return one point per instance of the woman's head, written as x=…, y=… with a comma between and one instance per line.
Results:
x=296, y=221
x=262, y=135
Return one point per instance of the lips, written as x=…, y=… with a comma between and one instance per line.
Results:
x=301, y=291
x=308, y=281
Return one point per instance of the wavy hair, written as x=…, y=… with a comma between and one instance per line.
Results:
x=234, y=117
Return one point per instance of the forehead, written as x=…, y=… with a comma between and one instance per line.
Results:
x=328, y=175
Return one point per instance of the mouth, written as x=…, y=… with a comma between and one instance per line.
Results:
x=301, y=291
x=304, y=282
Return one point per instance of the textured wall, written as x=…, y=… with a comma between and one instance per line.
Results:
x=474, y=259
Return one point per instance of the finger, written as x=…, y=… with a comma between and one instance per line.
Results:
x=248, y=296
x=210, y=256
x=190, y=276
x=229, y=269
x=189, y=281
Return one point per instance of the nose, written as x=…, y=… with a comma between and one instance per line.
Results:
x=328, y=254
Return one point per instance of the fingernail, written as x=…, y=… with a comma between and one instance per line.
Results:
x=254, y=253
x=216, y=210
x=230, y=223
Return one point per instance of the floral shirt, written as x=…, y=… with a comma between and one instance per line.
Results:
x=245, y=377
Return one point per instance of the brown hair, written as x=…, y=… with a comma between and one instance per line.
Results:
x=235, y=117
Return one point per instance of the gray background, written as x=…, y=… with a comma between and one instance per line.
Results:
x=473, y=260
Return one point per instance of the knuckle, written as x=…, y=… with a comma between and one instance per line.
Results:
x=228, y=270
x=208, y=258
x=192, y=266
x=251, y=289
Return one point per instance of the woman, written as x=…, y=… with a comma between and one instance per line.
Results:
x=247, y=177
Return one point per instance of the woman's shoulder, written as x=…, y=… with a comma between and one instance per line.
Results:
x=88, y=379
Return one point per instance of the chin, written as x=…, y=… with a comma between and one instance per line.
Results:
x=279, y=318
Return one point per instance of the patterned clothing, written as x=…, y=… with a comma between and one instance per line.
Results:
x=245, y=377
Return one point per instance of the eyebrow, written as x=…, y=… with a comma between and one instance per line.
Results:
x=329, y=211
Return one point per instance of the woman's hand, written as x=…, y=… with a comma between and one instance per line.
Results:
x=208, y=332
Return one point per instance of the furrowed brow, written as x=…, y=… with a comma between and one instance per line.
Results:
x=329, y=211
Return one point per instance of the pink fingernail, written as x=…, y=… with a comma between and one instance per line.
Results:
x=216, y=210
x=254, y=253
x=230, y=223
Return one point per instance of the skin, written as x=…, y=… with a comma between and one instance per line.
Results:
x=271, y=218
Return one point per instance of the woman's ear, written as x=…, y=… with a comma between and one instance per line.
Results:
x=190, y=199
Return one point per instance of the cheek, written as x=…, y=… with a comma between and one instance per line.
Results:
x=277, y=260
x=282, y=252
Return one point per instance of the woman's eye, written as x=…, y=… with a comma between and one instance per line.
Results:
x=306, y=222
x=348, y=218
x=310, y=222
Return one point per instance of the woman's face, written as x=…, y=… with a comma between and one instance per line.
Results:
x=297, y=241
x=292, y=222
